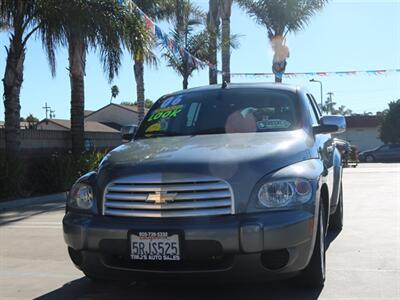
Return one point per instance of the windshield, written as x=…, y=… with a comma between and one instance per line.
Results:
x=221, y=111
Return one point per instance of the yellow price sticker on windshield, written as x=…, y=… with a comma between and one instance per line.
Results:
x=166, y=113
x=153, y=128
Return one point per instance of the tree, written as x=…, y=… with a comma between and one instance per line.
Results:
x=187, y=36
x=213, y=23
x=142, y=51
x=389, y=131
x=344, y=111
x=281, y=17
x=22, y=19
x=147, y=103
x=329, y=106
x=226, y=11
x=32, y=121
x=114, y=92
x=82, y=25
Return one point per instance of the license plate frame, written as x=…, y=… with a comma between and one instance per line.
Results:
x=151, y=237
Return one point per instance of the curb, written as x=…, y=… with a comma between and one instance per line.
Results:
x=18, y=203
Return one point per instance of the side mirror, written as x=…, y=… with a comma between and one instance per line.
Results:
x=128, y=132
x=331, y=124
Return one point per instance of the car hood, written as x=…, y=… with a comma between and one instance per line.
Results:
x=240, y=158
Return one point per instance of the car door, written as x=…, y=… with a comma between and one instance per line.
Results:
x=382, y=153
x=330, y=156
x=323, y=141
x=393, y=153
x=397, y=152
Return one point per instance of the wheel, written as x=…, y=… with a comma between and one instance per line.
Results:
x=369, y=159
x=314, y=274
x=336, y=220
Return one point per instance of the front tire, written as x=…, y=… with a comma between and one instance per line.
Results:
x=369, y=159
x=314, y=274
x=336, y=220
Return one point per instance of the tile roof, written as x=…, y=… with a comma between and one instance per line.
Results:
x=90, y=126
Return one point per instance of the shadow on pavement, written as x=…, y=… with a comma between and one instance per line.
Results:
x=20, y=214
x=83, y=288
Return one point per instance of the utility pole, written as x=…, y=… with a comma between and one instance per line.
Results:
x=47, y=109
x=330, y=102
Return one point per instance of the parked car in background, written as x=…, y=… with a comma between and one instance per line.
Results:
x=349, y=152
x=230, y=182
x=385, y=153
x=128, y=131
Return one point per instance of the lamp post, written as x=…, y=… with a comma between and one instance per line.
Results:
x=322, y=94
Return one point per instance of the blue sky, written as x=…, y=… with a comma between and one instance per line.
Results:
x=346, y=35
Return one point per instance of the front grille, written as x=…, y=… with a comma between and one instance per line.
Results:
x=135, y=197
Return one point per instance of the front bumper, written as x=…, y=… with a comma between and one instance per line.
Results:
x=262, y=244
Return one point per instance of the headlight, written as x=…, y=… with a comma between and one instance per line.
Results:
x=81, y=196
x=284, y=193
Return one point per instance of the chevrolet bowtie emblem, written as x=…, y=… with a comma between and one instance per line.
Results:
x=161, y=197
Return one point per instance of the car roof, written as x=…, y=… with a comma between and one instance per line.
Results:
x=271, y=86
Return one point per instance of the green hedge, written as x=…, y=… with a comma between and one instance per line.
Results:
x=50, y=174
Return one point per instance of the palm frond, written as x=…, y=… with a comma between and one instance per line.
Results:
x=282, y=16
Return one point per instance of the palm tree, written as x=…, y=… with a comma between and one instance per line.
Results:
x=114, y=92
x=22, y=19
x=213, y=23
x=226, y=11
x=142, y=51
x=186, y=37
x=82, y=25
x=281, y=17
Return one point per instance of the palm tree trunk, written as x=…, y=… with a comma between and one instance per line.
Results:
x=281, y=53
x=77, y=63
x=12, y=82
x=139, y=77
x=226, y=8
x=185, y=82
x=213, y=27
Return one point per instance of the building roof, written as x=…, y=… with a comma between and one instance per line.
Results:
x=362, y=121
x=90, y=126
x=126, y=107
x=87, y=112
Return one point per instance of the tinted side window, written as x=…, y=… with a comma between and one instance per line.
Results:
x=313, y=112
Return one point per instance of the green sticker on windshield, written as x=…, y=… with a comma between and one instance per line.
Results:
x=166, y=113
x=273, y=124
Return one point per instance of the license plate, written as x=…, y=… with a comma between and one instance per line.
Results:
x=155, y=246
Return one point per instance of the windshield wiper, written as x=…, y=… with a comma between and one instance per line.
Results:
x=210, y=131
x=160, y=134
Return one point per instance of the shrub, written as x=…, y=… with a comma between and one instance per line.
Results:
x=48, y=174
x=12, y=176
x=58, y=172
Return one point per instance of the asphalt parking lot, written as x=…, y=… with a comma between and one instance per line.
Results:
x=363, y=261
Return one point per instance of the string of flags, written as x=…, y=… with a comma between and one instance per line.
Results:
x=168, y=42
x=321, y=74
